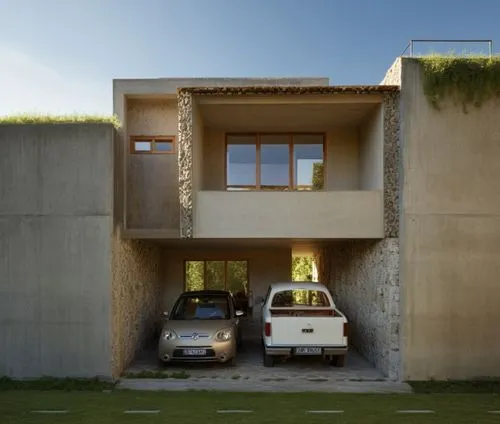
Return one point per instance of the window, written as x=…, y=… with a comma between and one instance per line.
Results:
x=300, y=297
x=152, y=145
x=217, y=275
x=275, y=162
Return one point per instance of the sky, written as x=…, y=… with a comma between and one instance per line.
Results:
x=60, y=56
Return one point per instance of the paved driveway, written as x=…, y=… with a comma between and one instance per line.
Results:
x=249, y=366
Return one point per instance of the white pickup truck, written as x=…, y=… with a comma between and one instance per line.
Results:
x=301, y=319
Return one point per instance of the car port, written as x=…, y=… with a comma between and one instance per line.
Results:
x=356, y=295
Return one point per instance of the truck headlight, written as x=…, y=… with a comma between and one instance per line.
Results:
x=168, y=335
x=224, y=335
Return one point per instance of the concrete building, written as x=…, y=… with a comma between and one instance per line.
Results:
x=218, y=182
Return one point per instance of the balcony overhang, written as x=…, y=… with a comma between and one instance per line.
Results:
x=286, y=108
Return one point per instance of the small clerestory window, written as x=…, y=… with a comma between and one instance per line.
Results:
x=152, y=144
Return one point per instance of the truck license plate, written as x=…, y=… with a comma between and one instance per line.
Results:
x=308, y=351
x=194, y=352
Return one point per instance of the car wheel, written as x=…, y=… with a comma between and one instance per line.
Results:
x=232, y=362
x=268, y=360
x=338, y=361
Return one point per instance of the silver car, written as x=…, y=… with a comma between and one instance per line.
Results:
x=203, y=326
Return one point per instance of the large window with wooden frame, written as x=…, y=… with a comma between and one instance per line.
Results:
x=275, y=161
x=216, y=275
x=152, y=144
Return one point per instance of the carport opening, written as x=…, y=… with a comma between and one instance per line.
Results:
x=303, y=268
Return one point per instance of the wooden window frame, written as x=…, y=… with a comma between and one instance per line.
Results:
x=153, y=139
x=291, y=180
x=205, y=271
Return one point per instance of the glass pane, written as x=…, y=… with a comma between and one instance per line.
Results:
x=300, y=297
x=163, y=146
x=215, y=275
x=241, y=164
x=274, y=165
x=308, y=166
x=142, y=146
x=194, y=275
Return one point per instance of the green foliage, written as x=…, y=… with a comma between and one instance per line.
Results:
x=318, y=176
x=49, y=383
x=60, y=119
x=467, y=81
x=213, y=275
x=302, y=268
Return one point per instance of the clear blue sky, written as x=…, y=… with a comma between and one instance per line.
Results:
x=61, y=55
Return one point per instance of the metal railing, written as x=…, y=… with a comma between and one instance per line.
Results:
x=410, y=45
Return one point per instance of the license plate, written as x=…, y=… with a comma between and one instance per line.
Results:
x=194, y=352
x=308, y=351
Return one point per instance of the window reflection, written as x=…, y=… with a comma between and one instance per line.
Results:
x=241, y=163
x=308, y=166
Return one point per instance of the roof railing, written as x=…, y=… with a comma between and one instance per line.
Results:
x=411, y=49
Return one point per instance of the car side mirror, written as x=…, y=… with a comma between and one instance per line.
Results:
x=240, y=314
x=164, y=314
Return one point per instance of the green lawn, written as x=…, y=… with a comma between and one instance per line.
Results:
x=97, y=407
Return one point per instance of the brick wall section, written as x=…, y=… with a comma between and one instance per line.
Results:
x=136, y=293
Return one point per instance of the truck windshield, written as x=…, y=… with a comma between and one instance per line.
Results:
x=299, y=297
x=202, y=308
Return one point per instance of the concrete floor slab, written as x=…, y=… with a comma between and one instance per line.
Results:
x=249, y=374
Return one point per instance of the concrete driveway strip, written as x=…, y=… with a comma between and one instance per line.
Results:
x=268, y=386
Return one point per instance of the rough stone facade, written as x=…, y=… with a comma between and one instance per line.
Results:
x=365, y=285
x=393, y=75
x=185, y=157
x=136, y=294
x=392, y=156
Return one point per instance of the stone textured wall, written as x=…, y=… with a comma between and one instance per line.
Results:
x=392, y=158
x=136, y=293
x=365, y=285
x=185, y=157
x=393, y=75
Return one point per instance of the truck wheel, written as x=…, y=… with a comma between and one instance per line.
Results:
x=338, y=361
x=268, y=360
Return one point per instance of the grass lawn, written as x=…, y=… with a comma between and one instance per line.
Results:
x=97, y=407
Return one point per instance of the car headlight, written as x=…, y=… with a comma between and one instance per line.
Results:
x=224, y=335
x=168, y=335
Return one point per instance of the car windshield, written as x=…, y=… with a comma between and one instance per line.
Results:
x=203, y=307
x=299, y=297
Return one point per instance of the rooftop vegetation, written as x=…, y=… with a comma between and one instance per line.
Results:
x=59, y=119
x=465, y=80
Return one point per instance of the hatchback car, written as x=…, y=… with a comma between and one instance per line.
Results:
x=203, y=326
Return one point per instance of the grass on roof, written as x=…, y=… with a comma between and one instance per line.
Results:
x=465, y=80
x=60, y=119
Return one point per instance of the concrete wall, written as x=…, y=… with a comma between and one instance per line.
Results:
x=365, y=285
x=56, y=184
x=341, y=159
x=371, y=151
x=285, y=214
x=450, y=228
x=151, y=179
x=136, y=290
x=265, y=266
